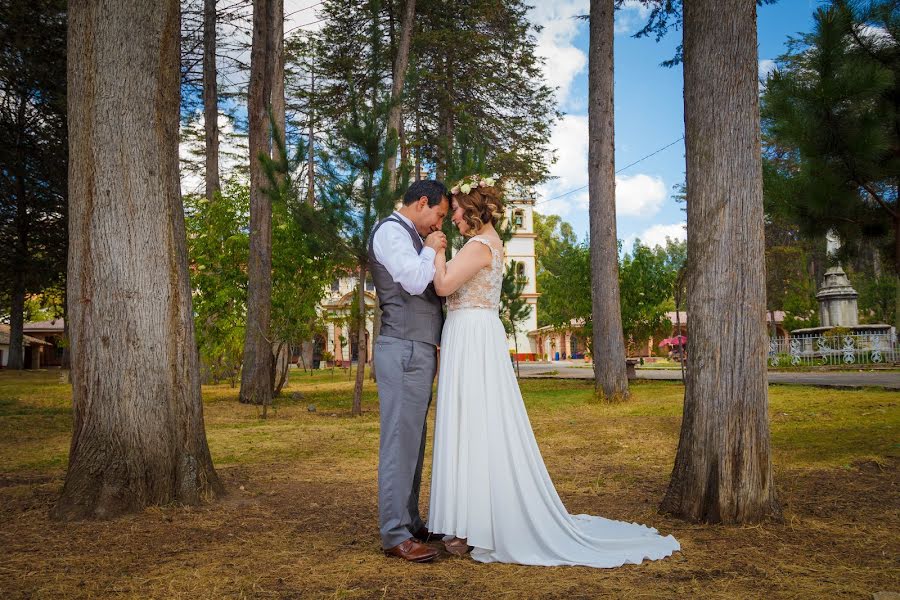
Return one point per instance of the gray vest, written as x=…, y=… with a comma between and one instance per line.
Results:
x=419, y=318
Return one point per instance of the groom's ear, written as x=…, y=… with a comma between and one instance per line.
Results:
x=422, y=202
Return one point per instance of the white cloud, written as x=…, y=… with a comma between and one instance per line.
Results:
x=638, y=195
x=631, y=17
x=656, y=235
x=563, y=61
x=766, y=66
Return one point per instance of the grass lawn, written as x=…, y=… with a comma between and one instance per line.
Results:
x=300, y=519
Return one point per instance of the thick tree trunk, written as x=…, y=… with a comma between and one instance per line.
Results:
x=138, y=434
x=210, y=99
x=401, y=63
x=610, y=377
x=723, y=467
x=256, y=387
x=361, y=349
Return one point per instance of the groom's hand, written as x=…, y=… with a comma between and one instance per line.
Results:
x=436, y=240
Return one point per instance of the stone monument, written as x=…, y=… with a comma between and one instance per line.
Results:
x=837, y=298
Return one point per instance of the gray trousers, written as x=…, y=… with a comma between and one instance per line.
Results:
x=405, y=371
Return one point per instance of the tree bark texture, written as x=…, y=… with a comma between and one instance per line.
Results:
x=256, y=386
x=362, y=350
x=139, y=435
x=311, y=147
x=401, y=63
x=610, y=377
x=210, y=99
x=723, y=467
x=16, y=358
x=279, y=116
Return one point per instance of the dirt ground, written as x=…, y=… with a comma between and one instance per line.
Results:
x=300, y=519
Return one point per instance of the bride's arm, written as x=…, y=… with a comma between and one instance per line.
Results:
x=449, y=276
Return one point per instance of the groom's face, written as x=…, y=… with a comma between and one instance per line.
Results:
x=431, y=218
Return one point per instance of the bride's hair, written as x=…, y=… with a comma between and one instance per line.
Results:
x=482, y=205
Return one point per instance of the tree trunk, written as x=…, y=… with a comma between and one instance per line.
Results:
x=281, y=362
x=361, y=349
x=138, y=434
x=256, y=387
x=16, y=359
x=610, y=377
x=210, y=99
x=723, y=467
x=278, y=104
x=311, y=156
x=897, y=268
x=401, y=62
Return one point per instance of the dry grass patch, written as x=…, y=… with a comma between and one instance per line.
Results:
x=300, y=517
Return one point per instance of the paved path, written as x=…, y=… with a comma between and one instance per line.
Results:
x=849, y=379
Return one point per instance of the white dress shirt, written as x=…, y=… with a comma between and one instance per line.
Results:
x=395, y=250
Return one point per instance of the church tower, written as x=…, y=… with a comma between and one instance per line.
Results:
x=520, y=213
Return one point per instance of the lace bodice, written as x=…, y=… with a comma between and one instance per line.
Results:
x=483, y=290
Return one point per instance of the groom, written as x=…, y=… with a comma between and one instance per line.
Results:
x=402, y=266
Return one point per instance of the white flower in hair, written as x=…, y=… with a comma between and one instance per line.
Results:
x=465, y=188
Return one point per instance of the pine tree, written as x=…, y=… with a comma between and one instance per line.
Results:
x=610, y=377
x=832, y=124
x=723, y=466
x=358, y=177
x=138, y=435
x=33, y=157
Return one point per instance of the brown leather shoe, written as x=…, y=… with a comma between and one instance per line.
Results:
x=457, y=547
x=413, y=551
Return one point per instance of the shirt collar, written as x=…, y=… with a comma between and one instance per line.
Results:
x=405, y=220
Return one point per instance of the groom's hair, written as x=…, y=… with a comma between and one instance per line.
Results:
x=432, y=188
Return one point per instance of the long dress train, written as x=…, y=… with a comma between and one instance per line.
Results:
x=489, y=483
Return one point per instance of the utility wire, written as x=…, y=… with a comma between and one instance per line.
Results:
x=642, y=159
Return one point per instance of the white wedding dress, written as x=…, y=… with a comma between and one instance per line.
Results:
x=489, y=483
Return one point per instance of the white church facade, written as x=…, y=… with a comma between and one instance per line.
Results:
x=335, y=308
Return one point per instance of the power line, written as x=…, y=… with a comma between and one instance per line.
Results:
x=303, y=25
x=642, y=159
x=300, y=10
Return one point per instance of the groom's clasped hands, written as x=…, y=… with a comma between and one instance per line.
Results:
x=436, y=240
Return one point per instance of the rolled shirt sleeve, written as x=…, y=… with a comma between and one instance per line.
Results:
x=394, y=249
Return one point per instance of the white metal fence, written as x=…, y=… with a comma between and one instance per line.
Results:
x=834, y=349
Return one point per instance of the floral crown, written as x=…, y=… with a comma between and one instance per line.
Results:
x=471, y=182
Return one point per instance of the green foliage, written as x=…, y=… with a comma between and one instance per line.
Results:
x=832, y=125
x=877, y=297
x=646, y=283
x=647, y=278
x=789, y=286
x=513, y=308
x=34, y=147
x=357, y=182
x=474, y=81
x=563, y=265
x=565, y=285
x=218, y=248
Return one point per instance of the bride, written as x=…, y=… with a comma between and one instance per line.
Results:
x=490, y=490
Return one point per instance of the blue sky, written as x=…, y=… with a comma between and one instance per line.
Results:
x=649, y=112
